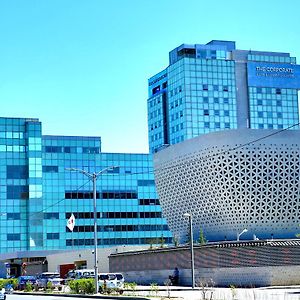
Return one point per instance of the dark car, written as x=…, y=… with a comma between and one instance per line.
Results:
x=22, y=281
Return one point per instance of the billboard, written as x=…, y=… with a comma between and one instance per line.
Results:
x=273, y=75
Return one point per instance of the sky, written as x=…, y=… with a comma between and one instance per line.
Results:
x=82, y=66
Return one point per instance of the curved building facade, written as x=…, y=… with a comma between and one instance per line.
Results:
x=230, y=181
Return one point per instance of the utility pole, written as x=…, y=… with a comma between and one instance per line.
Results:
x=94, y=176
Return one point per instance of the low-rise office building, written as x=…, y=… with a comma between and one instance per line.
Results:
x=38, y=195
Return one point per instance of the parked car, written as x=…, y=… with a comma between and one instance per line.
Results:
x=57, y=282
x=9, y=288
x=53, y=277
x=2, y=294
x=22, y=281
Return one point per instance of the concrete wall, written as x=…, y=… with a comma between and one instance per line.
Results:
x=260, y=263
x=69, y=257
x=246, y=277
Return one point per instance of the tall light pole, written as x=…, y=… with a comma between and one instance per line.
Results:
x=93, y=177
x=239, y=234
x=191, y=247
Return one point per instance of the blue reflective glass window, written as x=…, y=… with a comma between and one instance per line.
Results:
x=17, y=192
x=51, y=215
x=17, y=172
x=52, y=236
x=13, y=216
x=13, y=236
x=50, y=169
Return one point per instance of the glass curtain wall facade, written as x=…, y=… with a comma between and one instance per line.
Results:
x=21, y=184
x=38, y=195
x=215, y=87
x=273, y=107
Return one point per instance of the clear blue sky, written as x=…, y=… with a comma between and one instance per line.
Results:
x=82, y=67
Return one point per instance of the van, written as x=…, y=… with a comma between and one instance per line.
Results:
x=109, y=281
x=78, y=274
x=120, y=280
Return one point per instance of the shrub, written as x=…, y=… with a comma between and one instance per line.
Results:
x=28, y=287
x=131, y=285
x=154, y=288
x=74, y=286
x=49, y=286
x=82, y=286
x=5, y=282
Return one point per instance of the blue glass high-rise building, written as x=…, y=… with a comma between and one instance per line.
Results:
x=215, y=87
x=38, y=194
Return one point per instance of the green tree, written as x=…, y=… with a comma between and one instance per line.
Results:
x=162, y=241
x=151, y=242
x=175, y=241
x=202, y=239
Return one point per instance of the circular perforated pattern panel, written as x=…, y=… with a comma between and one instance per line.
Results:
x=254, y=187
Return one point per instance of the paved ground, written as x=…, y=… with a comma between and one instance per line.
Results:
x=186, y=293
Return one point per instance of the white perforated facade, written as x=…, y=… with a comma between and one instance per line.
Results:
x=229, y=184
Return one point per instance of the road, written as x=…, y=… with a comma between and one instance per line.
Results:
x=39, y=297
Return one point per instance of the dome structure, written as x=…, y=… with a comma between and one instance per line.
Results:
x=230, y=181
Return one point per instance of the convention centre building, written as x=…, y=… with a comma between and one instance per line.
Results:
x=224, y=130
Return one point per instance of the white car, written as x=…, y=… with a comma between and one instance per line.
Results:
x=2, y=294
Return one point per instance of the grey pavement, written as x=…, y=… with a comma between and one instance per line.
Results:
x=187, y=293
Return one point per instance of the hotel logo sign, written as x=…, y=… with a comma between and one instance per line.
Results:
x=275, y=72
x=273, y=75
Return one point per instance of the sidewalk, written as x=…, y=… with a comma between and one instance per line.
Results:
x=187, y=293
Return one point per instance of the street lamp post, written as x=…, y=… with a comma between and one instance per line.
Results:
x=93, y=177
x=239, y=234
x=191, y=247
